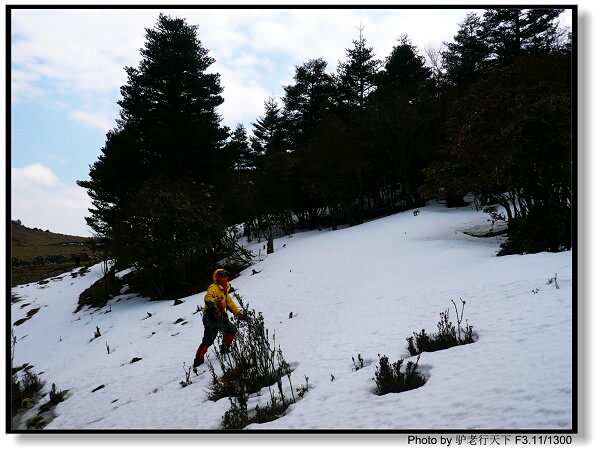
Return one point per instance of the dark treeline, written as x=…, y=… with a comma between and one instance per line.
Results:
x=489, y=115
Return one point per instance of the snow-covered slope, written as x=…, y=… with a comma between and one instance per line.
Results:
x=356, y=290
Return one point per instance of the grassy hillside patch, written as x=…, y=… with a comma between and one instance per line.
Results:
x=38, y=254
x=27, y=243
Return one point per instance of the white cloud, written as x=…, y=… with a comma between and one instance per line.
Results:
x=36, y=174
x=76, y=57
x=92, y=119
x=39, y=200
x=22, y=88
x=80, y=53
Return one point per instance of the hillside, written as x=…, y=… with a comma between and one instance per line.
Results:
x=326, y=298
x=38, y=254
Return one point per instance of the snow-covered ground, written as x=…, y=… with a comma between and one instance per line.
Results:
x=360, y=290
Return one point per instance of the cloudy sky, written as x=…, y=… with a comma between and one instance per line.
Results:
x=67, y=65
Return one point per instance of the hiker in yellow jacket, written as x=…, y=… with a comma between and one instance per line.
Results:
x=215, y=319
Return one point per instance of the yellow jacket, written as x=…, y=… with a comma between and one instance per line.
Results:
x=218, y=298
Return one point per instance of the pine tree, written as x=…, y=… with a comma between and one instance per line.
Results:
x=467, y=55
x=268, y=131
x=543, y=32
x=517, y=32
x=168, y=136
x=168, y=122
x=357, y=76
x=306, y=101
x=238, y=149
x=171, y=102
x=400, y=121
x=503, y=30
x=405, y=73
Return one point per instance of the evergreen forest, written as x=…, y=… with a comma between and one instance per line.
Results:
x=490, y=116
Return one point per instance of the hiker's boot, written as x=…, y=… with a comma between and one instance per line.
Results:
x=227, y=340
x=199, y=358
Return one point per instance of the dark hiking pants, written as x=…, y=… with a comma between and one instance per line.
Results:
x=213, y=326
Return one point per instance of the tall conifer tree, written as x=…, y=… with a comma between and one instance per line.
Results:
x=405, y=73
x=357, y=76
x=467, y=55
x=168, y=122
x=269, y=132
x=163, y=154
x=238, y=149
x=307, y=100
x=516, y=32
